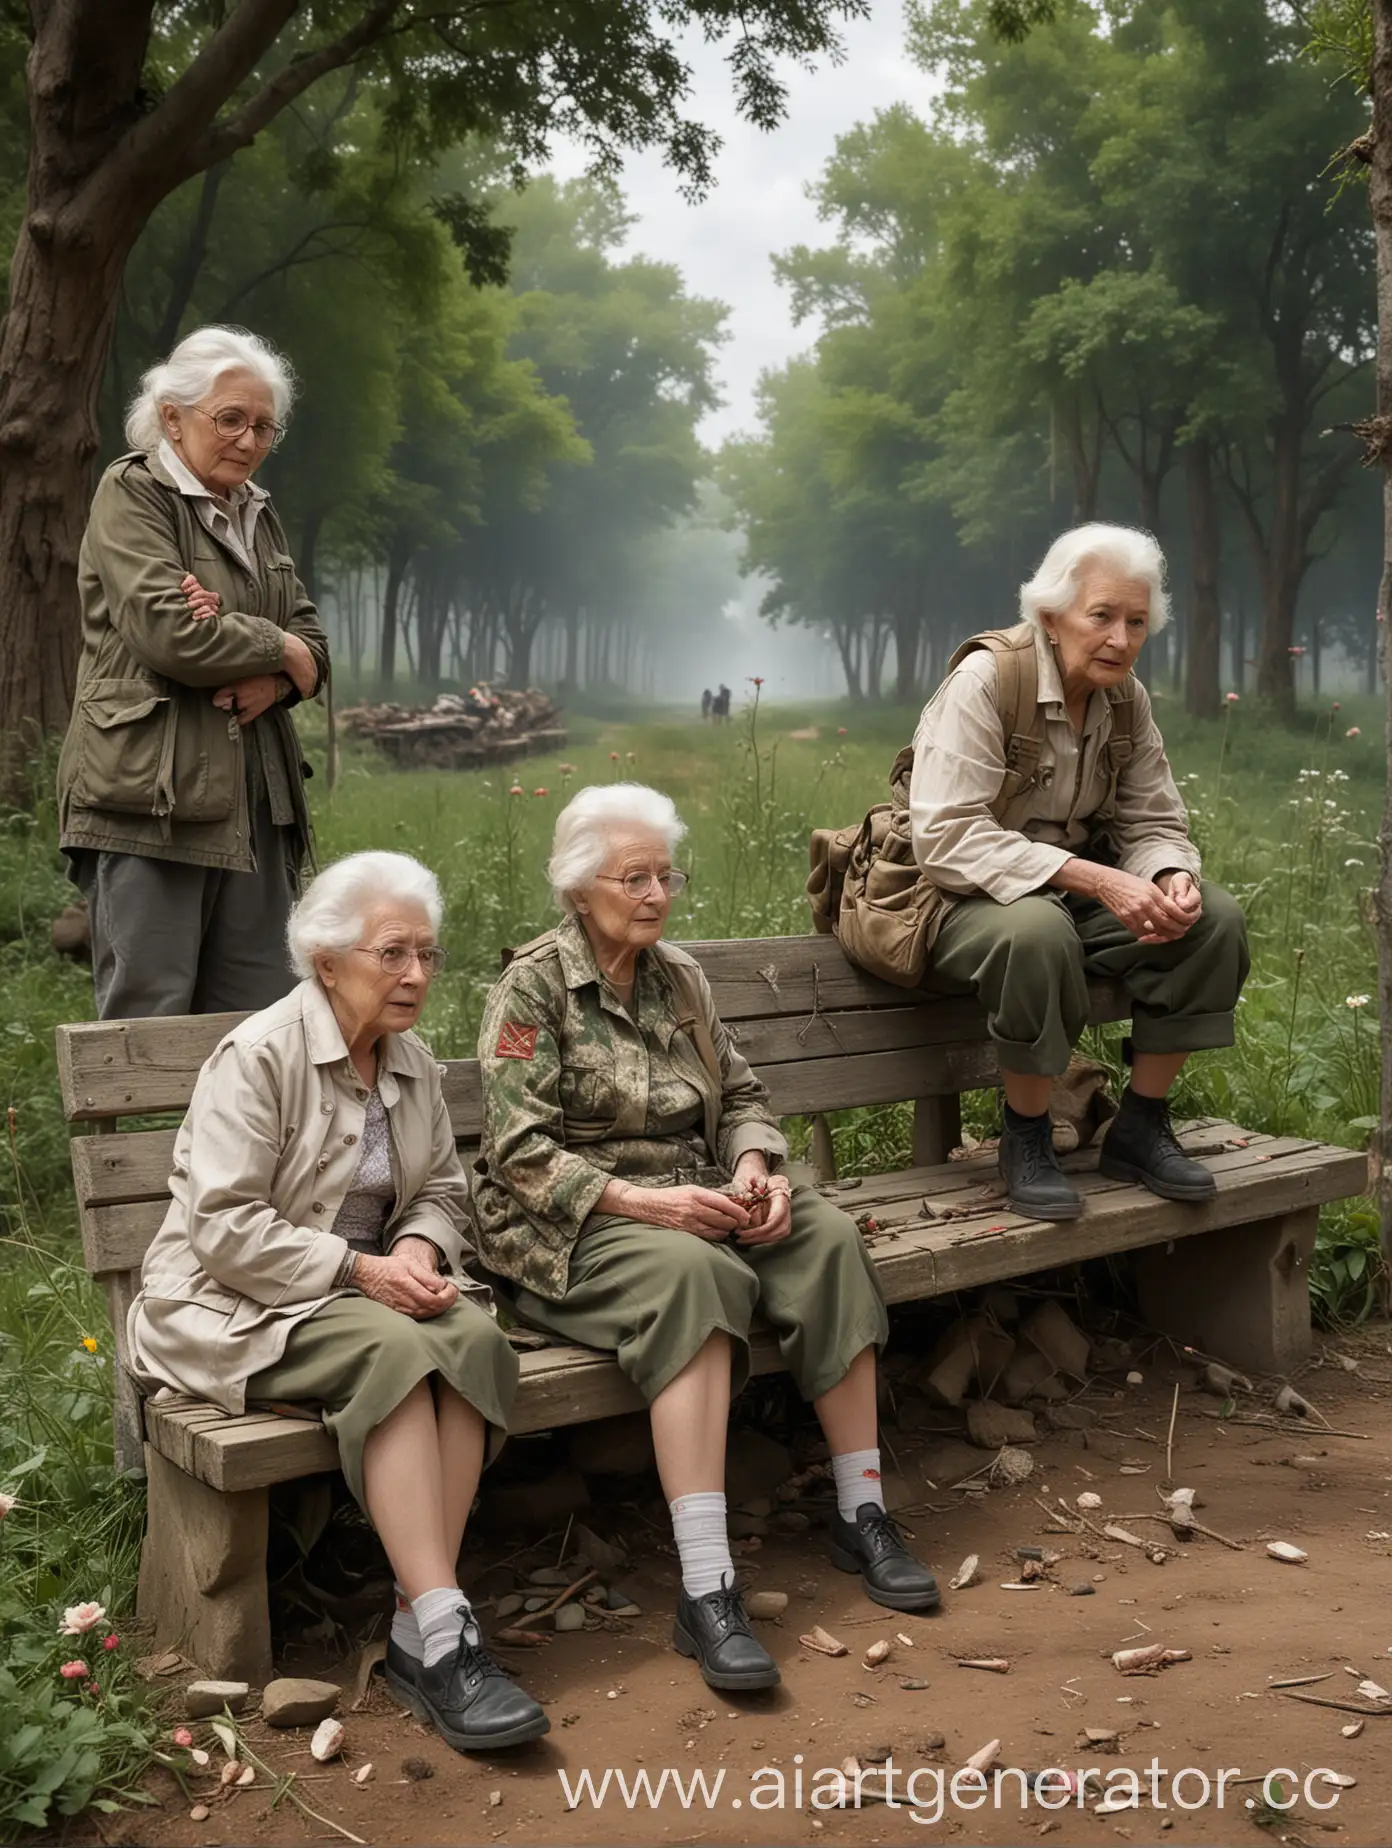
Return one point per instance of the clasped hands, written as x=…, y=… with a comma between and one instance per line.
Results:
x=1159, y=910
x=257, y=693
x=406, y=1279
x=757, y=1210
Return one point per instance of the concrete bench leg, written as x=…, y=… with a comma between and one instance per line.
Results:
x=203, y=1572
x=1241, y=1295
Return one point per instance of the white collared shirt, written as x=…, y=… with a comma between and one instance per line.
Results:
x=232, y=521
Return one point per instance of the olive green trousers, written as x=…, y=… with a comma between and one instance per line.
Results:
x=355, y=1360
x=654, y=1296
x=1029, y=964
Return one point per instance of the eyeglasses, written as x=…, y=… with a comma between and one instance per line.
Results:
x=397, y=958
x=637, y=885
x=265, y=434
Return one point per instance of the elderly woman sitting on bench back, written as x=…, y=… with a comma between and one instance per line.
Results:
x=312, y=1253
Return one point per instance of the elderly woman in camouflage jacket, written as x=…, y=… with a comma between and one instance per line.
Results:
x=629, y=1183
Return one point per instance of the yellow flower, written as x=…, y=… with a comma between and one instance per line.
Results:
x=88, y=1342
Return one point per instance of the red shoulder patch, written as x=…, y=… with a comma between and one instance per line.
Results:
x=516, y=1041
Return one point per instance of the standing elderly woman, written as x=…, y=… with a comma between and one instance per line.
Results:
x=313, y=1252
x=1095, y=873
x=629, y=1183
x=181, y=783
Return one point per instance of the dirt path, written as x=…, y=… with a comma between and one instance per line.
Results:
x=626, y=1703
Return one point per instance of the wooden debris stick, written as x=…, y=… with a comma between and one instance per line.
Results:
x=1290, y=1430
x=1169, y=1440
x=1342, y=1706
x=1300, y=1681
x=556, y=1603
x=1189, y=1527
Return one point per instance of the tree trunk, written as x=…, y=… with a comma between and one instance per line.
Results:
x=907, y=623
x=845, y=637
x=1239, y=642
x=1202, y=692
x=1381, y=190
x=398, y=558
x=307, y=559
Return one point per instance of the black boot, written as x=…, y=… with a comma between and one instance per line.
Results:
x=467, y=1698
x=1140, y=1145
x=1035, y=1185
x=872, y=1546
x=714, y=1630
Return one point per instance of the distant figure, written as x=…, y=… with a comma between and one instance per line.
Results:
x=706, y=703
x=721, y=707
x=181, y=784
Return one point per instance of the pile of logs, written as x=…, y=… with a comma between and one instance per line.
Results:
x=461, y=730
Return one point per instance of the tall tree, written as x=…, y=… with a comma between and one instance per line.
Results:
x=128, y=99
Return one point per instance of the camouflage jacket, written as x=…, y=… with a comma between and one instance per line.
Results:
x=576, y=1091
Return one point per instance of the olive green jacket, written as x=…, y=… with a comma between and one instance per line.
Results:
x=578, y=1090
x=150, y=765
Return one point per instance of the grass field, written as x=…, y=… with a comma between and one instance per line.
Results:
x=1286, y=818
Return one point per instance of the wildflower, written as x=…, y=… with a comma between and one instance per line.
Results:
x=566, y=769
x=516, y=790
x=74, y=1671
x=1357, y=1000
x=1353, y=862
x=89, y=1342
x=78, y=1619
x=1335, y=707
x=7, y=1502
x=1353, y=732
x=182, y=1736
x=543, y=791
x=111, y=1642
x=632, y=757
x=1297, y=651
x=840, y=731
x=758, y=679
x=613, y=757
x=1231, y=699
x=92, y=1687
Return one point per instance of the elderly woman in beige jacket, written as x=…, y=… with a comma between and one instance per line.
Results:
x=1097, y=874
x=313, y=1252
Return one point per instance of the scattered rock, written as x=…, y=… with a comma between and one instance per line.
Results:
x=948, y=1460
x=876, y=1653
x=603, y=1555
x=877, y=1754
x=1287, y=1554
x=754, y=1466
x=294, y=1701
x=535, y=1604
x=791, y=1521
x=1012, y=1465
x=1292, y=1403
x=1088, y=1501
x=1081, y=1591
x=508, y=1606
x=534, y=1507
x=823, y=1642
x=625, y=1610
x=933, y=1742
x=246, y=1777
x=991, y=1426
x=1135, y=1379
x=495, y=1798
x=1049, y=1328
x=1100, y=1738
x=1028, y=1373
x=766, y=1605
x=199, y=1813
x=327, y=1742
x=363, y=1774
x=914, y=1685
x=416, y=1770
x=202, y=1698
x=1109, y=1354
x=1223, y=1381
x=620, y=1598
x=619, y=1446
x=230, y=1773
x=569, y=1617
x=1353, y=1729
x=965, y=1574
x=557, y=1577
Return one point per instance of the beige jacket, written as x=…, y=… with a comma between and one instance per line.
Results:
x=262, y=1162
x=959, y=764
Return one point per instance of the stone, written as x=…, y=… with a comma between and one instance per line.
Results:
x=535, y=1604
x=1081, y=1591
x=792, y=1521
x=1071, y=1417
x=754, y=1466
x=202, y=1698
x=558, y=1577
x=619, y=1597
x=199, y=1813
x=761, y=1504
x=989, y=1426
x=533, y=1507
x=1028, y=1371
x=603, y=1555
x=619, y=1446
x=1049, y=1328
x=292, y=1700
x=947, y=1461
x=569, y=1617
x=327, y=1742
x=746, y=1526
x=508, y=1606
x=766, y=1605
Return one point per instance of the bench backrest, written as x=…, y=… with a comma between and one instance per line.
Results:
x=822, y=1034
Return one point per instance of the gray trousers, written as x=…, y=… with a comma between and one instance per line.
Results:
x=174, y=939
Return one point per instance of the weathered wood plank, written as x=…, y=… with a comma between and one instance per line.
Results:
x=129, y=1067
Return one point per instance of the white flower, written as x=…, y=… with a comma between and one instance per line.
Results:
x=1354, y=862
x=1357, y=1000
x=79, y=1618
x=7, y=1502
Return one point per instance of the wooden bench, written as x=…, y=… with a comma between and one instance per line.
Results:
x=1228, y=1277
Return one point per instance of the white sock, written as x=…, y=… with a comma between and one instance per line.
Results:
x=405, y=1631
x=857, y=1474
x=698, y=1527
x=443, y=1615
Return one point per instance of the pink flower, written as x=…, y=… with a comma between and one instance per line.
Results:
x=92, y=1687
x=840, y=731
x=74, y=1671
x=7, y=1502
x=1353, y=732
x=516, y=790
x=111, y=1642
x=758, y=679
x=78, y=1619
x=1231, y=699
x=543, y=791
x=613, y=757
x=1297, y=651
x=182, y=1736
x=1335, y=706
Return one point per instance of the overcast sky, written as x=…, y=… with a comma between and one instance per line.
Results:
x=758, y=204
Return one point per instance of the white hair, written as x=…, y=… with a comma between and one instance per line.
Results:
x=331, y=914
x=589, y=821
x=192, y=370
x=1125, y=549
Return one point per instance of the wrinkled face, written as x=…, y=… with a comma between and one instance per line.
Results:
x=606, y=907
x=1101, y=632
x=375, y=999
x=221, y=462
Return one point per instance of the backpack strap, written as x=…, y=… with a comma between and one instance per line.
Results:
x=543, y=942
x=1121, y=744
x=1017, y=701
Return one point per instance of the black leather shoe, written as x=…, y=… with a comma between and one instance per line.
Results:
x=873, y=1546
x=714, y=1630
x=1035, y=1185
x=1140, y=1145
x=467, y=1698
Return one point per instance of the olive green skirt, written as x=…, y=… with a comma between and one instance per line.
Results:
x=355, y=1360
x=654, y=1296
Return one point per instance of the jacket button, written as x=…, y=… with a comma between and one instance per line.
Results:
x=327, y=1109
x=321, y=1167
x=348, y=1141
x=318, y=1206
x=361, y=1096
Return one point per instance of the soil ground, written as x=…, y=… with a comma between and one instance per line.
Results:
x=620, y=1699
